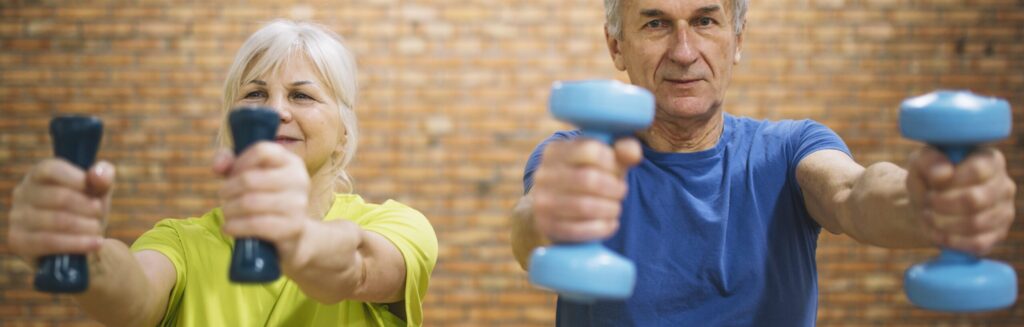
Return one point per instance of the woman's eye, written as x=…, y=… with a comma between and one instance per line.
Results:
x=303, y=96
x=256, y=94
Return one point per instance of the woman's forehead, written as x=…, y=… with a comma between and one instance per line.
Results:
x=294, y=67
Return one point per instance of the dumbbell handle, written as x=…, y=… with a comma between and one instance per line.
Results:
x=955, y=154
x=75, y=139
x=253, y=260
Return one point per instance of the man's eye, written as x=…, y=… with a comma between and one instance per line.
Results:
x=657, y=23
x=705, y=21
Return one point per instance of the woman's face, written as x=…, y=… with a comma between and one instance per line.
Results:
x=310, y=121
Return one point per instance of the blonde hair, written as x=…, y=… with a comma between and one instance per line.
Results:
x=271, y=46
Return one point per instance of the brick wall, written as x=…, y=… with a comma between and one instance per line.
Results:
x=453, y=100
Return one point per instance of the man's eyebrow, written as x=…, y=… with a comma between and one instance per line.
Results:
x=708, y=9
x=652, y=12
x=659, y=13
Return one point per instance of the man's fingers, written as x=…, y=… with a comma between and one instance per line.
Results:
x=580, y=180
x=993, y=218
x=932, y=167
x=579, y=231
x=579, y=152
x=976, y=244
x=628, y=153
x=979, y=166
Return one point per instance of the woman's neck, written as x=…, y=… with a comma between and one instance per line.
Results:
x=321, y=194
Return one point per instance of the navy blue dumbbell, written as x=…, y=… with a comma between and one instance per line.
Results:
x=253, y=260
x=75, y=139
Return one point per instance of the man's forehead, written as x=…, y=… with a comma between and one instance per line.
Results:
x=635, y=6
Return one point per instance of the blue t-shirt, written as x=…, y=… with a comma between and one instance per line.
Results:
x=720, y=237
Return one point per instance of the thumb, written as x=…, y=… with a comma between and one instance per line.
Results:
x=100, y=179
x=222, y=162
x=628, y=153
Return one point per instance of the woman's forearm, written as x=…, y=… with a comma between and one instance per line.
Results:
x=120, y=293
x=338, y=260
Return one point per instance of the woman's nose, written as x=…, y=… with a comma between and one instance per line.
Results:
x=282, y=108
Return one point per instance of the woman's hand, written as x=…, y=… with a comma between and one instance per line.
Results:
x=266, y=196
x=58, y=208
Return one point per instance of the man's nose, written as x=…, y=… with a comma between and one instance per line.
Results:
x=683, y=50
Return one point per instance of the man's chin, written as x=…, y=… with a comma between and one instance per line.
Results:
x=688, y=107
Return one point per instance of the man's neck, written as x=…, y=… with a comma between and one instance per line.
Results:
x=684, y=135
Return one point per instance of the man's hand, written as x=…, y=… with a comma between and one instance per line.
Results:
x=969, y=207
x=579, y=186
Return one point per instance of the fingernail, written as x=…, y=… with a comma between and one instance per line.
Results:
x=101, y=170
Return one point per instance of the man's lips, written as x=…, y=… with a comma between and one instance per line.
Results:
x=685, y=81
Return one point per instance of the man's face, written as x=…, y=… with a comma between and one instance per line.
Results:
x=681, y=50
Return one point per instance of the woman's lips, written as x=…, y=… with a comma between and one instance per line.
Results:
x=284, y=140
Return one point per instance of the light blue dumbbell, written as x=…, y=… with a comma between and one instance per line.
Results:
x=954, y=122
x=586, y=272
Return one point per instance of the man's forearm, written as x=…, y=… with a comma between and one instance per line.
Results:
x=877, y=210
x=119, y=293
x=525, y=237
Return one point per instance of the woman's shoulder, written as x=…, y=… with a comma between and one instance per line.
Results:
x=353, y=207
x=208, y=224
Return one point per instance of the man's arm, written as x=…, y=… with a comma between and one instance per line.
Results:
x=871, y=205
x=127, y=289
x=968, y=207
x=525, y=236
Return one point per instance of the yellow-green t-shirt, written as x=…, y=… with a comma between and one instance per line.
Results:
x=203, y=295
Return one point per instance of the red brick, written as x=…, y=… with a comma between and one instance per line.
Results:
x=27, y=44
x=104, y=29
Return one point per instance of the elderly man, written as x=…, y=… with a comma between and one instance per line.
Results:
x=723, y=213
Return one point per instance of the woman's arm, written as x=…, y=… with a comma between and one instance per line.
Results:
x=127, y=289
x=337, y=260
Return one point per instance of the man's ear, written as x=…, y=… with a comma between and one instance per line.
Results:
x=739, y=44
x=613, y=50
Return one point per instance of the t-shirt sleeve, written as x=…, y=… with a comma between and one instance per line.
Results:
x=412, y=234
x=811, y=137
x=164, y=238
x=534, y=161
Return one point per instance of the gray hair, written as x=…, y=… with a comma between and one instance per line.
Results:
x=271, y=46
x=614, y=19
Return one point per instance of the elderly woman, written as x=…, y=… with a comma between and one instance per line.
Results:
x=345, y=262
